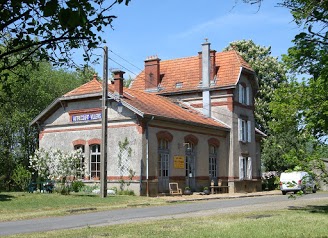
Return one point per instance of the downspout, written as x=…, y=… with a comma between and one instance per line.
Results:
x=147, y=156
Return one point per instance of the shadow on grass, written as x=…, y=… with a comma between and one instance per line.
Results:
x=5, y=197
x=311, y=208
x=86, y=195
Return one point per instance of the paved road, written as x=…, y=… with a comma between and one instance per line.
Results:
x=140, y=214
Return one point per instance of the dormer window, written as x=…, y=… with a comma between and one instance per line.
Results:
x=178, y=85
x=244, y=95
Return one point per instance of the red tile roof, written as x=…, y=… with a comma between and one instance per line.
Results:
x=149, y=104
x=186, y=71
x=93, y=86
x=155, y=105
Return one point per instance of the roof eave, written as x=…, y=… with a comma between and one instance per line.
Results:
x=251, y=72
x=44, y=112
x=187, y=122
x=213, y=88
x=58, y=100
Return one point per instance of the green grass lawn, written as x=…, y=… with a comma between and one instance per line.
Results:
x=20, y=205
x=307, y=221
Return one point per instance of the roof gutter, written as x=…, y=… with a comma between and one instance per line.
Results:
x=186, y=122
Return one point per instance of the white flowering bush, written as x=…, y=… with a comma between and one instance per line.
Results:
x=56, y=164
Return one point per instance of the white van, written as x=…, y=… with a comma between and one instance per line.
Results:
x=296, y=181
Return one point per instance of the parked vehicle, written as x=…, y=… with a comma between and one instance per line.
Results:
x=297, y=181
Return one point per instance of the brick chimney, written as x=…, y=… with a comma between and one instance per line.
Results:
x=213, y=65
x=118, y=82
x=152, y=72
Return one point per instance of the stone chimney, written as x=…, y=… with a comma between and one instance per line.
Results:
x=206, y=71
x=118, y=82
x=152, y=72
x=212, y=65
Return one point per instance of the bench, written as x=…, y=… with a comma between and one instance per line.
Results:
x=219, y=189
x=174, y=189
x=45, y=186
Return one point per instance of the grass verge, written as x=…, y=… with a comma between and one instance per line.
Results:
x=305, y=221
x=20, y=205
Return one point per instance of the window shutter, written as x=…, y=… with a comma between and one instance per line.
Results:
x=240, y=130
x=249, y=131
x=247, y=96
x=240, y=92
x=249, y=168
x=241, y=168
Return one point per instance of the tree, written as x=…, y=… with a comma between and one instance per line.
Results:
x=270, y=73
x=309, y=55
x=56, y=164
x=291, y=144
x=20, y=103
x=36, y=30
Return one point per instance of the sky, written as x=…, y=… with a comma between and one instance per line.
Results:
x=177, y=28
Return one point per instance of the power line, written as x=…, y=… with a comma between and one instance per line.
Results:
x=122, y=66
x=125, y=60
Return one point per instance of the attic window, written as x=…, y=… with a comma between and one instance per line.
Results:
x=178, y=85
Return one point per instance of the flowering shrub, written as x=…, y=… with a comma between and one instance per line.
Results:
x=56, y=164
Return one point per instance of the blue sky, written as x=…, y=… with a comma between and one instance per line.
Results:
x=176, y=28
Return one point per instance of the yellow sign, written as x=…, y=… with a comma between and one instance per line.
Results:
x=178, y=162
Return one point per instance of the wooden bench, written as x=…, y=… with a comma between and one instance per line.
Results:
x=174, y=189
x=219, y=189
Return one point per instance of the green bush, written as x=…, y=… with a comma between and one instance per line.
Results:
x=63, y=188
x=77, y=186
x=126, y=192
x=21, y=177
x=89, y=188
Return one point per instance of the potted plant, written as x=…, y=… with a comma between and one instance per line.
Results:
x=206, y=191
x=187, y=191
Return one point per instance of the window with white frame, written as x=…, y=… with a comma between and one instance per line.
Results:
x=212, y=161
x=81, y=147
x=163, y=158
x=244, y=132
x=245, y=167
x=95, y=161
x=244, y=94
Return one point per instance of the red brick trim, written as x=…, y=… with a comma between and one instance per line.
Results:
x=214, y=142
x=78, y=142
x=250, y=107
x=164, y=135
x=82, y=111
x=141, y=127
x=94, y=141
x=88, y=128
x=117, y=178
x=191, y=138
x=41, y=134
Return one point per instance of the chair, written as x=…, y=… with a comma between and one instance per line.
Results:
x=174, y=189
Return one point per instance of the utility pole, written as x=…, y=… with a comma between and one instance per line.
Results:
x=103, y=148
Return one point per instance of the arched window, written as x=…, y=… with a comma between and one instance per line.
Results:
x=163, y=164
x=213, y=146
x=163, y=158
x=95, y=161
x=212, y=162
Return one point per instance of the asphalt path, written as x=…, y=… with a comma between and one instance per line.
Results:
x=127, y=215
